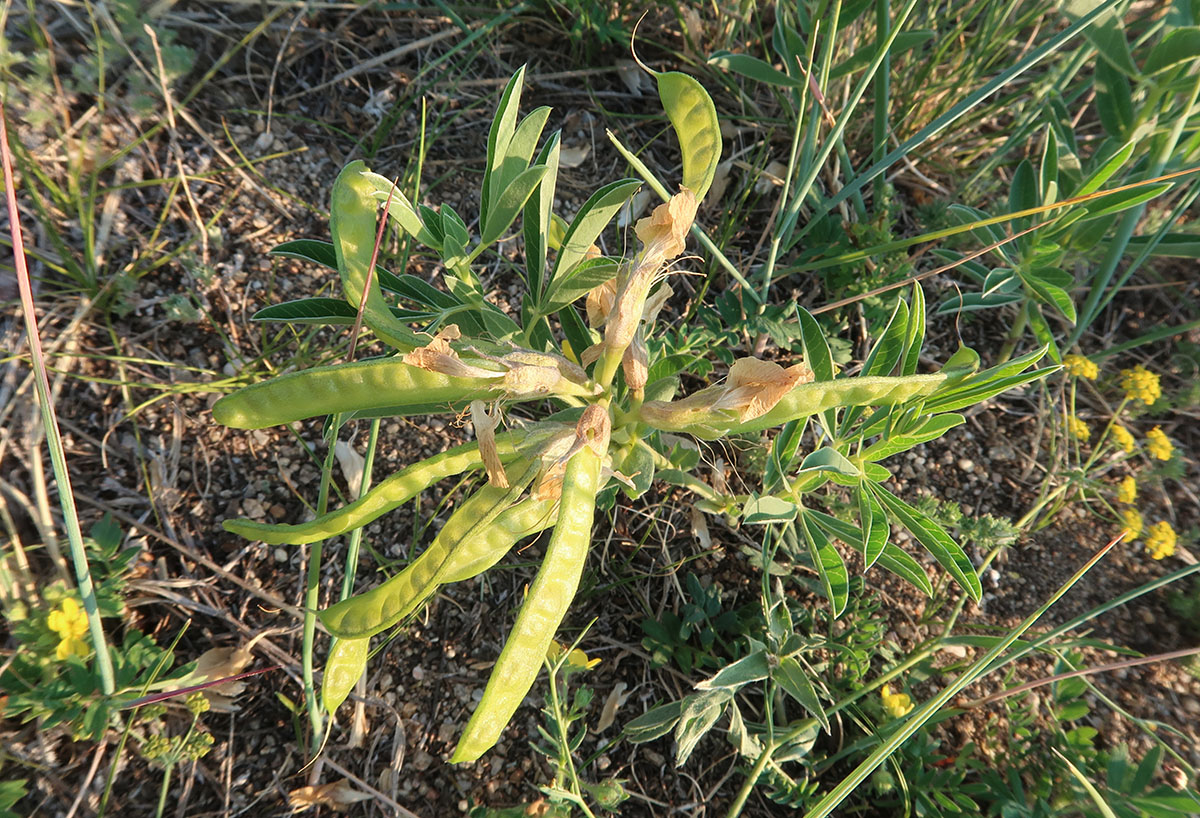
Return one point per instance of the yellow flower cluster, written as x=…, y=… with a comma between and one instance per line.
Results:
x=1081, y=367
x=1123, y=438
x=896, y=704
x=1160, y=540
x=1141, y=384
x=1127, y=492
x=1159, y=444
x=1131, y=521
x=70, y=623
x=1078, y=429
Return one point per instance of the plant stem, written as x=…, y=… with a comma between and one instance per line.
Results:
x=312, y=587
x=162, y=791
x=58, y=458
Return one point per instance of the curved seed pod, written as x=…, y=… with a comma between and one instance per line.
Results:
x=476, y=524
x=388, y=495
x=362, y=385
x=345, y=666
x=352, y=223
x=549, y=595
x=473, y=557
x=702, y=414
x=694, y=118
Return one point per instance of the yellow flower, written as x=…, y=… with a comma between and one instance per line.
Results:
x=1158, y=444
x=896, y=704
x=1132, y=522
x=1127, y=492
x=1078, y=429
x=1141, y=384
x=578, y=660
x=71, y=624
x=1123, y=438
x=1160, y=541
x=1081, y=367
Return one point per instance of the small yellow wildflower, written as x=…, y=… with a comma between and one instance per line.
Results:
x=1127, y=492
x=1123, y=438
x=70, y=623
x=1081, y=367
x=578, y=660
x=1078, y=429
x=1131, y=519
x=1158, y=444
x=1160, y=540
x=896, y=704
x=1141, y=384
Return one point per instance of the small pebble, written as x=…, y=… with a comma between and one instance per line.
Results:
x=966, y=465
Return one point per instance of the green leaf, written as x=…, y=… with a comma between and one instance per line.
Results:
x=753, y=68
x=933, y=539
x=783, y=451
x=504, y=123
x=914, y=336
x=902, y=564
x=537, y=218
x=769, y=509
x=589, y=223
x=520, y=150
x=905, y=41
x=1182, y=45
x=931, y=429
x=638, y=466
x=816, y=349
x=1022, y=192
x=750, y=668
x=1114, y=100
x=399, y=208
x=834, y=576
x=325, y=311
x=583, y=278
x=699, y=715
x=510, y=203
x=1123, y=200
x=1048, y=169
x=1051, y=294
x=829, y=459
x=874, y=524
x=1106, y=33
x=795, y=682
x=1170, y=245
x=694, y=118
x=654, y=723
x=882, y=358
x=1106, y=170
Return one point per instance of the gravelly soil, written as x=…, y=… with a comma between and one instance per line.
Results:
x=171, y=475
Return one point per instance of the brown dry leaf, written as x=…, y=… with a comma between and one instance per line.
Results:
x=573, y=157
x=485, y=433
x=771, y=177
x=716, y=191
x=664, y=231
x=439, y=356
x=636, y=363
x=337, y=795
x=754, y=387
x=600, y=302
x=221, y=663
x=611, y=705
x=700, y=529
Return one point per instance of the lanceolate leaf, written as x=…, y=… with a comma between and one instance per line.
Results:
x=933, y=539
x=829, y=565
x=590, y=222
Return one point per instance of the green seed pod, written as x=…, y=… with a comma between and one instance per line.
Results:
x=325, y=390
x=345, y=666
